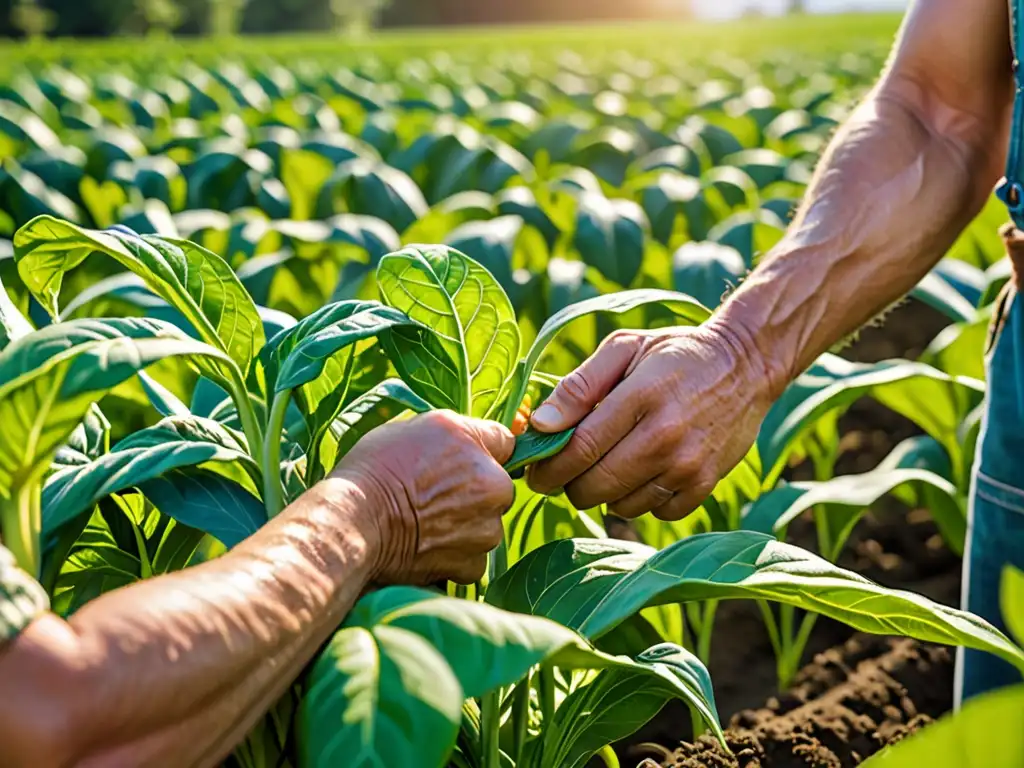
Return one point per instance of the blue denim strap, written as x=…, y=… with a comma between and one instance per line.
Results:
x=1011, y=189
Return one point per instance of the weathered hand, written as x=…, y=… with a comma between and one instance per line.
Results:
x=675, y=411
x=437, y=492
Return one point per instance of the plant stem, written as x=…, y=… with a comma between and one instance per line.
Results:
x=520, y=716
x=546, y=687
x=697, y=724
x=796, y=650
x=21, y=521
x=490, y=727
x=247, y=415
x=772, y=626
x=273, y=489
x=607, y=754
x=707, y=626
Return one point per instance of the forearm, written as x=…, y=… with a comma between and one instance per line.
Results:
x=899, y=182
x=175, y=670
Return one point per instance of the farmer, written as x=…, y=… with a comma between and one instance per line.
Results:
x=175, y=670
x=910, y=168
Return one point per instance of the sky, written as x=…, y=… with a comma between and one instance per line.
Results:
x=728, y=8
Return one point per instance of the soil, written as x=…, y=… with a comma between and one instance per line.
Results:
x=859, y=692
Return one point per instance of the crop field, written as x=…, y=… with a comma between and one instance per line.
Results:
x=223, y=264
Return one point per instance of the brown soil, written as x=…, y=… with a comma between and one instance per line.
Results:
x=848, y=704
x=860, y=692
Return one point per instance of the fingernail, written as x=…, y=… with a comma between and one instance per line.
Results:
x=546, y=417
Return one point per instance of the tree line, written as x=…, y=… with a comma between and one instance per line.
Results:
x=104, y=18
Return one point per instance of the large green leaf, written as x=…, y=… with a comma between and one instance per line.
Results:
x=842, y=500
x=389, y=687
x=52, y=376
x=174, y=443
x=620, y=701
x=447, y=291
x=206, y=501
x=196, y=282
x=984, y=734
x=593, y=585
x=810, y=407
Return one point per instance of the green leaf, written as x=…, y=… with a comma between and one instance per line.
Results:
x=320, y=357
x=533, y=446
x=469, y=312
x=618, y=702
x=535, y=519
x=592, y=585
x=13, y=324
x=196, y=282
x=1012, y=599
x=810, y=407
x=381, y=404
x=52, y=376
x=984, y=734
x=845, y=499
x=174, y=443
x=95, y=566
x=610, y=236
x=208, y=502
x=389, y=687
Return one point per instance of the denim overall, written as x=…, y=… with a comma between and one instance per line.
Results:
x=995, y=530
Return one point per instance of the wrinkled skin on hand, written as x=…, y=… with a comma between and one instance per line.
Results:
x=437, y=490
x=662, y=415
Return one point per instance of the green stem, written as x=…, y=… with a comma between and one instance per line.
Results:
x=520, y=717
x=772, y=626
x=273, y=488
x=490, y=728
x=607, y=754
x=247, y=415
x=707, y=626
x=20, y=522
x=697, y=724
x=546, y=687
x=796, y=650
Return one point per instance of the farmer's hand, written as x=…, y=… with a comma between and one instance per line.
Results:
x=675, y=410
x=437, y=492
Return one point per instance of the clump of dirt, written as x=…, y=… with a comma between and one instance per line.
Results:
x=845, y=706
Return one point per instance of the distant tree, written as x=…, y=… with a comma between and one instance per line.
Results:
x=226, y=17
x=357, y=17
x=797, y=6
x=31, y=20
x=155, y=17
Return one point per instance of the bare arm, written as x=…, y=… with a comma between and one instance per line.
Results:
x=912, y=166
x=174, y=671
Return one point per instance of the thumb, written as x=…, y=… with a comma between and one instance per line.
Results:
x=495, y=438
x=579, y=393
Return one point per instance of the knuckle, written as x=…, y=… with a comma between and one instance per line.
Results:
x=609, y=478
x=585, y=446
x=576, y=387
x=470, y=570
